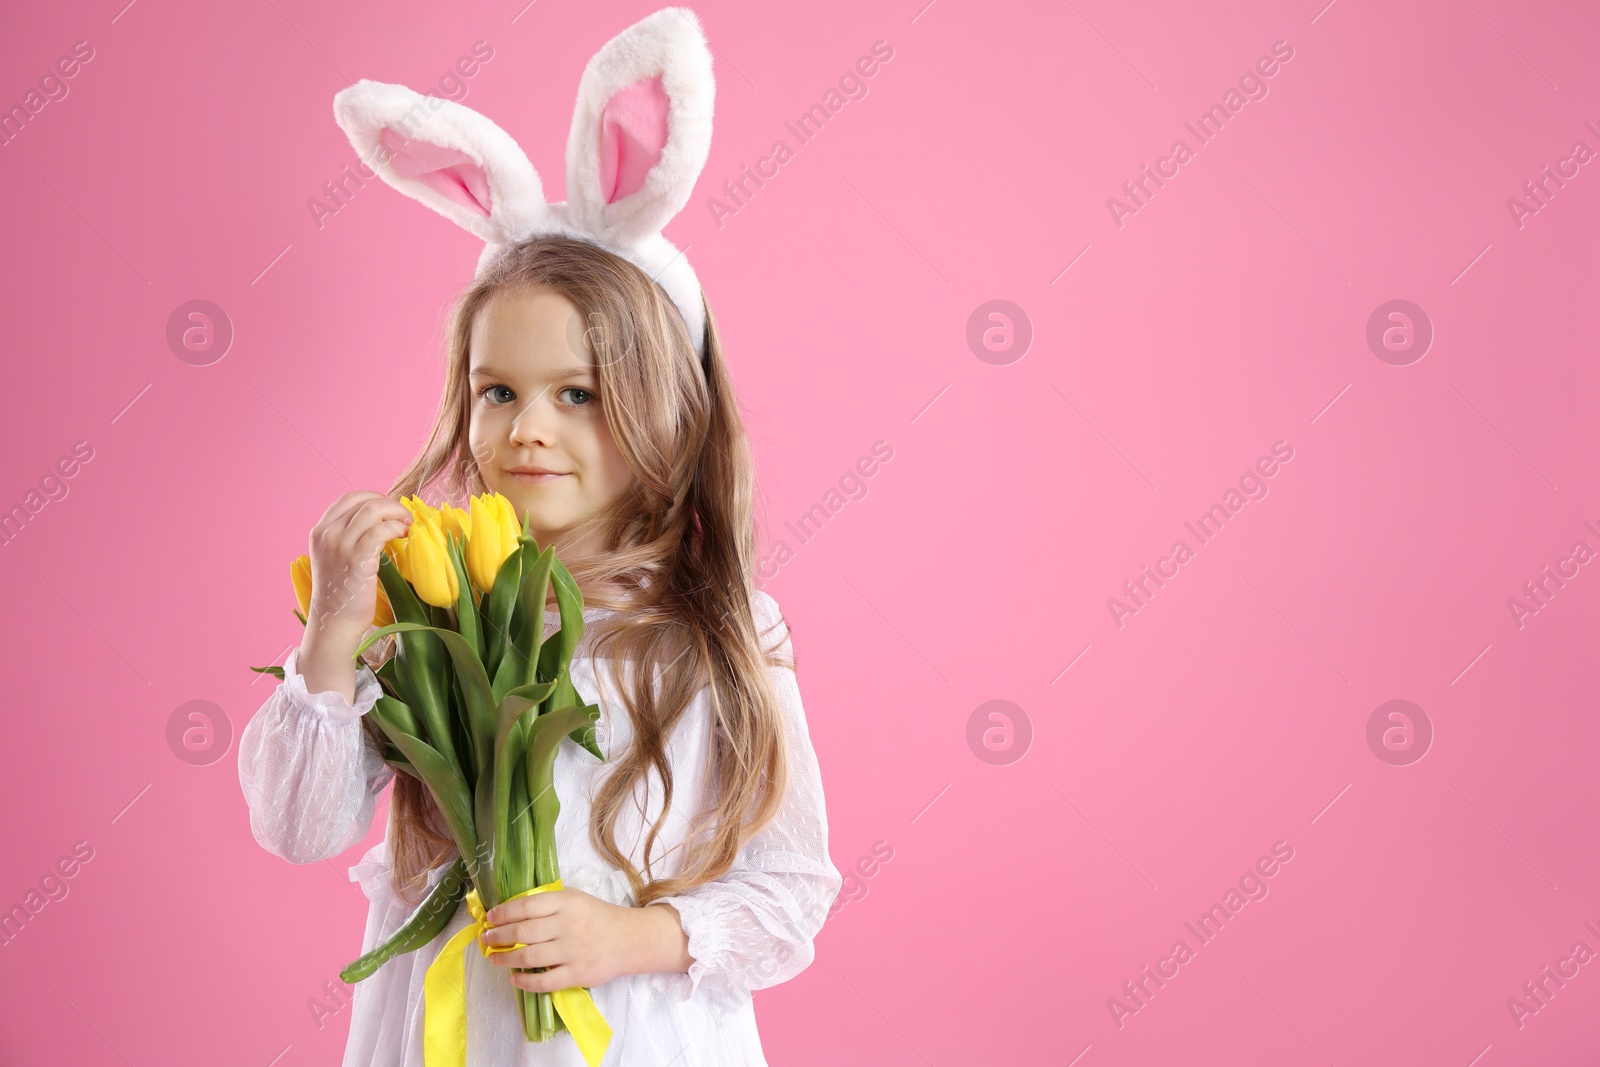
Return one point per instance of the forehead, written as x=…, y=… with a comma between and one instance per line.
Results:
x=526, y=333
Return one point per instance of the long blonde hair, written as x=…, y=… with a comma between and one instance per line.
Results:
x=682, y=547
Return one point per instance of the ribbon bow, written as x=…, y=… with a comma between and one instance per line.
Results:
x=444, y=1005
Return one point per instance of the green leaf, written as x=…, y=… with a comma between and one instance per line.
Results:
x=584, y=737
x=520, y=833
x=505, y=673
x=502, y=599
x=402, y=598
x=535, y=589
x=483, y=807
x=299, y=616
x=417, y=666
x=474, y=682
x=394, y=759
x=276, y=672
x=466, y=599
x=431, y=917
x=533, y=693
x=387, y=671
x=569, y=600
x=400, y=714
x=543, y=740
x=516, y=710
x=448, y=790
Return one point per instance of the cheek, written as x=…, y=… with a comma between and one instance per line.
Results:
x=483, y=437
x=618, y=474
x=615, y=474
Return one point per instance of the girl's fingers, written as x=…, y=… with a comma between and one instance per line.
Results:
x=548, y=954
x=545, y=981
x=371, y=516
x=373, y=540
x=375, y=510
x=528, y=931
x=531, y=907
x=339, y=511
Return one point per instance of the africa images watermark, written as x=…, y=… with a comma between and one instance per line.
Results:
x=852, y=485
x=52, y=488
x=852, y=85
x=1252, y=486
x=1538, y=992
x=1537, y=592
x=1252, y=885
x=1541, y=190
x=53, y=87
x=53, y=888
x=1211, y=122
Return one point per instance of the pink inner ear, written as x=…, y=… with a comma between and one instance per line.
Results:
x=633, y=131
x=448, y=172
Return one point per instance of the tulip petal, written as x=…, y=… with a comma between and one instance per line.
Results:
x=432, y=574
x=382, y=614
x=300, y=576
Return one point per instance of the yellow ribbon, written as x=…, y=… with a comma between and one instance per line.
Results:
x=444, y=1005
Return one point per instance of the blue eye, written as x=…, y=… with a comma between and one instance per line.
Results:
x=582, y=399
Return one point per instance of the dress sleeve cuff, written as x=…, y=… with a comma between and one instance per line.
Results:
x=332, y=704
x=708, y=945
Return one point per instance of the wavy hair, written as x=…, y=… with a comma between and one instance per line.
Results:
x=681, y=548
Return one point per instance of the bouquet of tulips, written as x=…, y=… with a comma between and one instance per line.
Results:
x=475, y=704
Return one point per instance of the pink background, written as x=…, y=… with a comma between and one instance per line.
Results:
x=1228, y=314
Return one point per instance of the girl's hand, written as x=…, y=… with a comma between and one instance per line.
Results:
x=344, y=586
x=345, y=544
x=584, y=940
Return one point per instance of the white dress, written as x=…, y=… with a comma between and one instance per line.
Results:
x=310, y=777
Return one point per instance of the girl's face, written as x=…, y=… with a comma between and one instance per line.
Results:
x=536, y=406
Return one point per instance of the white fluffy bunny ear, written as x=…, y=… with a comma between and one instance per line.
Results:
x=641, y=130
x=447, y=156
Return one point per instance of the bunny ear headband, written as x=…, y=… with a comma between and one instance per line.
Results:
x=641, y=132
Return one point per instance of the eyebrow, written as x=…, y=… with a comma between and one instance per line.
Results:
x=561, y=376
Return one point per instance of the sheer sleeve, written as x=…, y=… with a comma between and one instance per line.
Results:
x=309, y=772
x=754, y=926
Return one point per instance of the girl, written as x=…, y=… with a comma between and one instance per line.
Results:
x=695, y=858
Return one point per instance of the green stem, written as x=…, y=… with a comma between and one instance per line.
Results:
x=547, y=1017
x=544, y=739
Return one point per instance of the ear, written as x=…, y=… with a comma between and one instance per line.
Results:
x=641, y=130
x=445, y=155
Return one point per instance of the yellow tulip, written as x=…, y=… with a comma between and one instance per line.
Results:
x=300, y=575
x=432, y=575
x=397, y=547
x=382, y=614
x=417, y=506
x=495, y=521
x=456, y=521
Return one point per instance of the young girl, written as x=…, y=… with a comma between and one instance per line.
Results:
x=586, y=384
x=695, y=858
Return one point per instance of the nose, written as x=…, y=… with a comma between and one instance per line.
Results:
x=534, y=423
